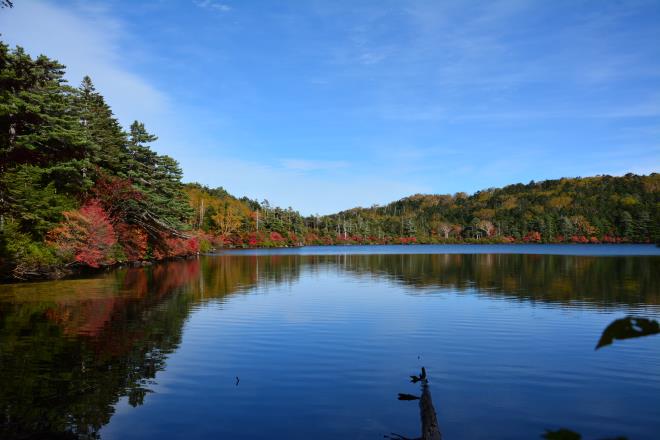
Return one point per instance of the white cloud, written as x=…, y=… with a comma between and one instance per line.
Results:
x=88, y=42
x=212, y=4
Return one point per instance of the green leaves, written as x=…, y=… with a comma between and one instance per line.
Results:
x=626, y=328
x=57, y=141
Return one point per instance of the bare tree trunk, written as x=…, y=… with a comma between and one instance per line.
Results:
x=201, y=214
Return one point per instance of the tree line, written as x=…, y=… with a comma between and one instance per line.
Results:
x=601, y=209
x=78, y=190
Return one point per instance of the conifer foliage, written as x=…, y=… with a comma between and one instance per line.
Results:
x=75, y=189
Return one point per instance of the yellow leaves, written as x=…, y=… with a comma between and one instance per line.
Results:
x=511, y=202
x=485, y=214
x=583, y=225
x=484, y=196
x=537, y=209
x=651, y=183
x=228, y=218
x=628, y=201
x=560, y=202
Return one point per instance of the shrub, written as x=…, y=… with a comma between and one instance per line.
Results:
x=85, y=236
x=23, y=257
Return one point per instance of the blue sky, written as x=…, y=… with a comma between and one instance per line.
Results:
x=326, y=105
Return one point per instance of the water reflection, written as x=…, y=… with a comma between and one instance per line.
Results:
x=563, y=278
x=69, y=350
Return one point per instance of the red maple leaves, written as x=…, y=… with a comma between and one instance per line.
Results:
x=86, y=235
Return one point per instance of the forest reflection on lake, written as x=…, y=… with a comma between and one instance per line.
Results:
x=320, y=343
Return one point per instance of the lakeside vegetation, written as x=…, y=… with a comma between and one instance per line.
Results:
x=77, y=190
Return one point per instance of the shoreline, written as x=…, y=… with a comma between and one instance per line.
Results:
x=62, y=272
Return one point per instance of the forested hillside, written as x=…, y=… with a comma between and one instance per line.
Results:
x=578, y=210
x=77, y=190
x=595, y=209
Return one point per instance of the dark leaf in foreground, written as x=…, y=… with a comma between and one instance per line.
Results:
x=422, y=376
x=626, y=328
x=561, y=434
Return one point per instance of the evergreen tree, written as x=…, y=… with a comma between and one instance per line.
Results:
x=627, y=226
x=643, y=226
x=37, y=128
x=164, y=207
x=106, y=141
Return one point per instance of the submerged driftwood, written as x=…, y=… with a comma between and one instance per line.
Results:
x=429, y=419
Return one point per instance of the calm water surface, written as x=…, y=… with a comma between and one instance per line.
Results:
x=322, y=340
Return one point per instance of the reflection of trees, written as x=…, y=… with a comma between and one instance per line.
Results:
x=69, y=350
x=600, y=280
x=65, y=362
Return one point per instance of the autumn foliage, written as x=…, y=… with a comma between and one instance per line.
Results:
x=176, y=247
x=99, y=233
x=133, y=241
x=86, y=235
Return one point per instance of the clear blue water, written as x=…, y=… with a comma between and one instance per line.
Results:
x=323, y=343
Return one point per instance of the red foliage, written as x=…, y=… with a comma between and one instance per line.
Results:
x=312, y=238
x=293, y=238
x=133, y=241
x=113, y=193
x=326, y=240
x=86, y=234
x=176, y=247
x=532, y=237
x=276, y=237
x=253, y=239
x=611, y=239
x=579, y=239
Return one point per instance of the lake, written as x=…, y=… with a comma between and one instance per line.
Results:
x=319, y=342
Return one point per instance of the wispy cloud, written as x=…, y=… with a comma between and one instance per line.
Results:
x=89, y=42
x=213, y=5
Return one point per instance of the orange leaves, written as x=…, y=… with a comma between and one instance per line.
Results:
x=86, y=235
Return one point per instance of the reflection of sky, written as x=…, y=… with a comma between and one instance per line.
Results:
x=324, y=357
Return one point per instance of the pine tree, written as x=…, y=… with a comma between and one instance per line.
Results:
x=106, y=141
x=39, y=133
x=164, y=207
x=643, y=226
x=627, y=226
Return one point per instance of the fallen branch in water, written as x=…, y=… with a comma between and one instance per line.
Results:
x=429, y=419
